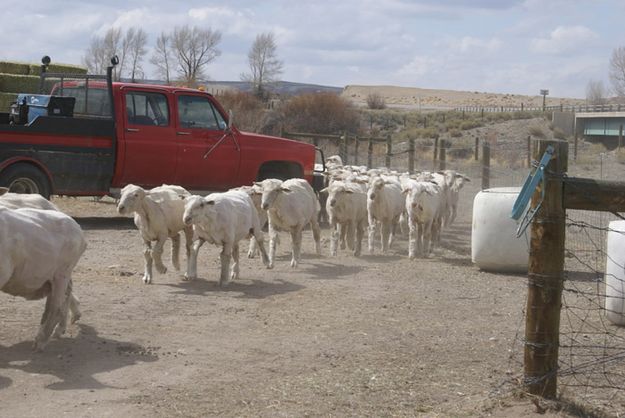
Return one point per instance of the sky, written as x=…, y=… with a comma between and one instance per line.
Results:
x=498, y=46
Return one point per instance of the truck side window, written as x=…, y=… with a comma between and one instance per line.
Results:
x=199, y=112
x=147, y=108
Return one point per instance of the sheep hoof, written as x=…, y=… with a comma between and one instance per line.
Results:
x=147, y=279
x=161, y=269
x=293, y=263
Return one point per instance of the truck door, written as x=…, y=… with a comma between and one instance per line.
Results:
x=149, y=139
x=208, y=153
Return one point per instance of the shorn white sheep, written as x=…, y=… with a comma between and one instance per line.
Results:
x=40, y=249
x=223, y=219
x=385, y=204
x=290, y=206
x=158, y=216
x=347, y=211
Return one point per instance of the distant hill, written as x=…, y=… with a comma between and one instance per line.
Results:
x=283, y=88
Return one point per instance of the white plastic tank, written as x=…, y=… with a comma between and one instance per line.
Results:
x=615, y=274
x=494, y=244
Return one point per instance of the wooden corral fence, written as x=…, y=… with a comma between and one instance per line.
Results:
x=547, y=254
x=348, y=147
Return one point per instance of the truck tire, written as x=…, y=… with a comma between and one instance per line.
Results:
x=25, y=178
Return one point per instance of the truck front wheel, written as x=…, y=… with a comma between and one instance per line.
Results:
x=25, y=178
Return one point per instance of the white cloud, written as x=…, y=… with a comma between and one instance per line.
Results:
x=469, y=44
x=418, y=67
x=564, y=39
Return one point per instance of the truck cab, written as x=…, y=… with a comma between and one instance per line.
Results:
x=121, y=133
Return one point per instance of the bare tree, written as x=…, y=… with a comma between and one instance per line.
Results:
x=265, y=67
x=136, y=52
x=162, y=57
x=101, y=49
x=194, y=48
x=617, y=71
x=95, y=59
x=595, y=92
x=111, y=43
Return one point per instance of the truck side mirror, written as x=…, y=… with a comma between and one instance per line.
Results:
x=230, y=118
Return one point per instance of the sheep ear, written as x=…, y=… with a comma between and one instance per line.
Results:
x=182, y=196
x=258, y=183
x=324, y=190
x=405, y=191
x=210, y=202
x=349, y=191
x=465, y=178
x=285, y=190
x=3, y=190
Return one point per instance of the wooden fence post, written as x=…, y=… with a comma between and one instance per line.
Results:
x=370, y=153
x=485, y=165
x=545, y=275
x=411, y=149
x=389, y=151
x=356, y=143
x=529, y=151
x=442, y=155
x=343, y=148
x=477, y=148
x=575, y=148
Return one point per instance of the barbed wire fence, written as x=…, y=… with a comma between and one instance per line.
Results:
x=591, y=370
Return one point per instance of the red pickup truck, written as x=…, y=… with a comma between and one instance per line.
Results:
x=93, y=136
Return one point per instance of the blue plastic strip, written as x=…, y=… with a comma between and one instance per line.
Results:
x=529, y=187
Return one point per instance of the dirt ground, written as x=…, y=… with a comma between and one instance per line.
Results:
x=378, y=335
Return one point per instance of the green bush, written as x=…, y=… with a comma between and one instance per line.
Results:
x=18, y=68
x=10, y=83
x=323, y=113
x=455, y=133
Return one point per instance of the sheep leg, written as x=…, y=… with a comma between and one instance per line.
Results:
x=52, y=313
x=74, y=310
x=157, y=255
x=191, y=273
x=251, y=252
x=260, y=244
x=147, y=254
x=360, y=231
x=393, y=231
x=175, y=251
x=386, y=231
x=65, y=307
x=452, y=216
x=420, y=238
x=343, y=232
x=373, y=230
x=235, y=266
x=296, y=242
x=413, y=240
x=273, y=237
x=188, y=239
x=316, y=235
x=224, y=257
x=334, y=237
x=427, y=238
x=351, y=230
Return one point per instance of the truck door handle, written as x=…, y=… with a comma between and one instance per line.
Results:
x=183, y=133
x=132, y=130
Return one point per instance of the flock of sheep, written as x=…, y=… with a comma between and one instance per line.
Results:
x=44, y=245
